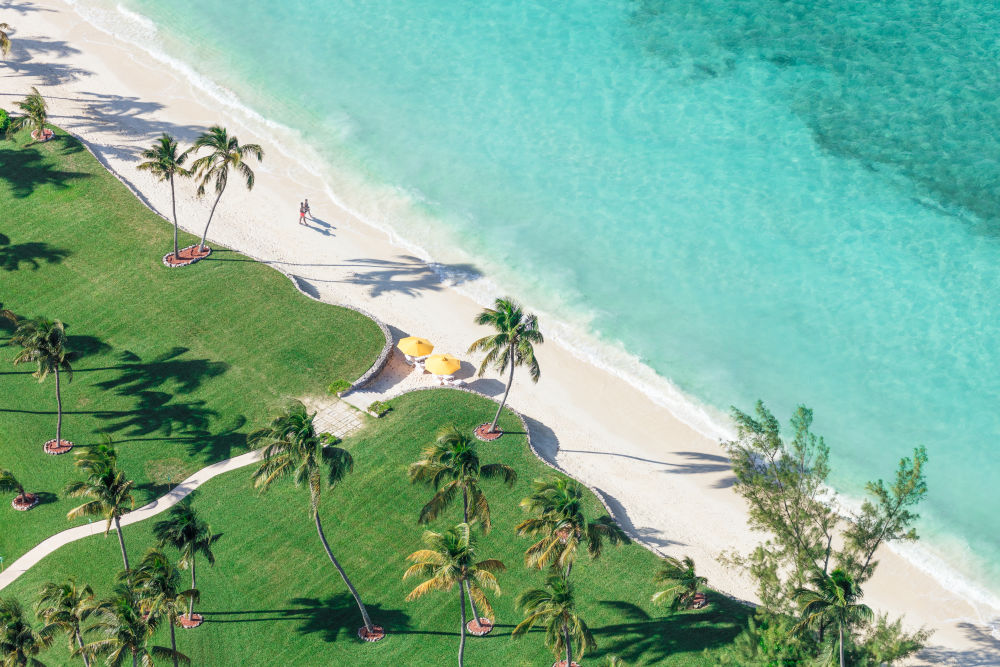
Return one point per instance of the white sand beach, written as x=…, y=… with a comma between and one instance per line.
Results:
x=669, y=485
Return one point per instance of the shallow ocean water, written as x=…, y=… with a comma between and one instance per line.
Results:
x=786, y=200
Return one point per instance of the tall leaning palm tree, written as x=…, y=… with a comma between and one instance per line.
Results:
x=834, y=599
x=184, y=531
x=449, y=559
x=126, y=628
x=557, y=505
x=512, y=345
x=64, y=607
x=554, y=608
x=683, y=582
x=5, y=28
x=43, y=342
x=225, y=153
x=164, y=162
x=451, y=464
x=34, y=115
x=291, y=446
x=109, y=491
x=157, y=583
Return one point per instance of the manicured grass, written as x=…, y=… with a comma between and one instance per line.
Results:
x=176, y=364
x=274, y=598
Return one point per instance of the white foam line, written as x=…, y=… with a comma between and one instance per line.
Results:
x=611, y=357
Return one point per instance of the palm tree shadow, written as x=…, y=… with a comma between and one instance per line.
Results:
x=332, y=618
x=643, y=639
x=338, y=617
x=186, y=375
x=25, y=170
x=154, y=413
x=33, y=254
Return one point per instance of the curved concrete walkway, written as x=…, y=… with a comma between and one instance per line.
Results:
x=161, y=504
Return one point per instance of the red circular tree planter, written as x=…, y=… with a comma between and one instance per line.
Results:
x=25, y=502
x=483, y=433
x=374, y=636
x=562, y=663
x=479, y=627
x=46, y=135
x=190, y=622
x=187, y=256
x=63, y=446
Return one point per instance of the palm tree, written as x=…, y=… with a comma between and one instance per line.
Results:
x=109, y=490
x=5, y=39
x=511, y=345
x=834, y=600
x=449, y=559
x=557, y=506
x=683, y=580
x=451, y=464
x=225, y=153
x=43, y=342
x=127, y=628
x=8, y=314
x=156, y=582
x=163, y=161
x=554, y=608
x=35, y=113
x=292, y=447
x=184, y=531
x=10, y=483
x=64, y=607
x=19, y=642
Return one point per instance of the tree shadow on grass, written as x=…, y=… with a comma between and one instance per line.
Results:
x=333, y=618
x=31, y=254
x=644, y=639
x=154, y=413
x=25, y=171
x=186, y=375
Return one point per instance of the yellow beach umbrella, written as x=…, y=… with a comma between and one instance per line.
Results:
x=415, y=347
x=442, y=364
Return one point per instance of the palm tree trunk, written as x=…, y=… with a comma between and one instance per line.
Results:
x=173, y=205
x=569, y=647
x=841, y=646
x=173, y=642
x=510, y=381
x=121, y=541
x=58, y=411
x=79, y=641
x=465, y=504
x=135, y=659
x=354, y=592
x=461, y=641
x=210, y=214
x=472, y=603
x=191, y=601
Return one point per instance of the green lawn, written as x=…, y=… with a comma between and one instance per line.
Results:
x=177, y=363
x=273, y=597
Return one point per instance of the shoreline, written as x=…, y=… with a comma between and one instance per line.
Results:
x=620, y=441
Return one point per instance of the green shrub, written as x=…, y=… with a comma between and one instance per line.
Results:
x=379, y=408
x=339, y=386
x=4, y=122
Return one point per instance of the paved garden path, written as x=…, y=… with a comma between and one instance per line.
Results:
x=336, y=418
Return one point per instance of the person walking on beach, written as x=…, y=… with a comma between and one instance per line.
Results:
x=305, y=205
x=302, y=213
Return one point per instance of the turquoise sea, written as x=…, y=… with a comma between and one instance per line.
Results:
x=793, y=200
